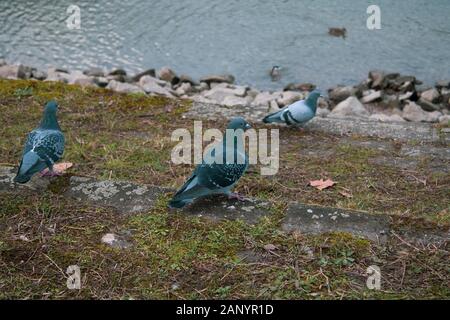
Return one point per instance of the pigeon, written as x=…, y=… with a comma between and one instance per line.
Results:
x=299, y=112
x=222, y=166
x=44, y=146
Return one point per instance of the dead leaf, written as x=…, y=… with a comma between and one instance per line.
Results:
x=322, y=184
x=346, y=194
x=59, y=167
x=270, y=247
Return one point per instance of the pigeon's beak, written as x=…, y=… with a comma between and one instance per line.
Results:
x=247, y=126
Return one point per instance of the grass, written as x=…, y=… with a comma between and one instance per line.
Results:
x=118, y=136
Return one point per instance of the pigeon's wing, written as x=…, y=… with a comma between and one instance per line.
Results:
x=49, y=145
x=225, y=174
x=29, y=143
x=300, y=112
x=276, y=117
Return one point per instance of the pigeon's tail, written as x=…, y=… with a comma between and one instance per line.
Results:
x=31, y=163
x=187, y=193
x=273, y=117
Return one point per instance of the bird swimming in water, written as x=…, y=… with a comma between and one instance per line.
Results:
x=275, y=73
x=44, y=146
x=217, y=174
x=297, y=113
x=337, y=32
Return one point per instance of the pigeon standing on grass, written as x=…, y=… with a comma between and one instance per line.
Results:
x=298, y=113
x=44, y=146
x=220, y=170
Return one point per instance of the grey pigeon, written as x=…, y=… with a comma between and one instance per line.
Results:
x=297, y=113
x=220, y=170
x=44, y=146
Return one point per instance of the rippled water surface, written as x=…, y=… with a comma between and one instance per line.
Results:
x=244, y=38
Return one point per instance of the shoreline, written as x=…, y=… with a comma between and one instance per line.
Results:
x=383, y=97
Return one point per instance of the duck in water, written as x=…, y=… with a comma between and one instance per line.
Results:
x=337, y=32
x=275, y=73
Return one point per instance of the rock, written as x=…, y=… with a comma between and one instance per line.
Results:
x=2, y=62
x=413, y=112
x=78, y=77
x=299, y=87
x=124, y=87
x=390, y=101
x=264, y=98
x=349, y=107
x=443, y=84
x=184, y=88
x=118, y=72
x=202, y=86
x=376, y=95
x=38, y=74
x=54, y=74
x=231, y=101
x=15, y=72
x=102, y=82
x=148, y=72
x=273, y=106
x=187, y=79
x=340, y=93
x=220, y=92
x=118, y=77
x=115, y=241
x=405, y=96
x=322, y=112
x=289, y=97
x=167, y=74
x=323, y=103
x=153, y=86
x=94, y=72
x=252, y=93
x=445, y=119
x=386, y=118
x=430, y=95
x=228, y=78
x=427, y=105
x=376, y=79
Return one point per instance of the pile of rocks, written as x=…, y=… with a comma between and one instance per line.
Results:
x=382, y=97
x=392, y=97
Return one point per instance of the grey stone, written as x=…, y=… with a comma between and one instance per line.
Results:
x=124, y=87
x=54, y=74
x=349, y=107
x=289, y=97
x=126, y=197
x=15, y=72
x=94, y=72
x=36, y=184
x=339, y=94
x=322, y=112
x=115, y=241
x=299, y=87
x=443, y=84
x=219, y=208
x=187, y=79
x=264, y=98
x=38, y=74
x=148, y=72
x=427, y=105
x=228, y=78
x=102, y=82
x=376, y=79
x=372, y=97
x=430, y=95
x=413, y=112
x=316, y=220
x=3, y=62
x=386, y=118
x=152, y=86
x=166, y=74
x=445, y=119
x=117, y=72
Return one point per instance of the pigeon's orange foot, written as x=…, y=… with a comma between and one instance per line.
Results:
x=236, y=196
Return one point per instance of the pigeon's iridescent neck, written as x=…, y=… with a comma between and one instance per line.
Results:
x=49, y=121
x=311, y=102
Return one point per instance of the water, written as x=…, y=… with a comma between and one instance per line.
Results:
x=244, y=38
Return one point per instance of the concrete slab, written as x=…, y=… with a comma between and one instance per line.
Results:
x=315, y=220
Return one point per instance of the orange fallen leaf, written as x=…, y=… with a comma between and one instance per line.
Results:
x=346, y=194
x=322, y=184
x=59, y=167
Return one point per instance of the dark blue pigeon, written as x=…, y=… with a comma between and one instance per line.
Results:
x=297, y=113
x=44, y=146
x=220, y=170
